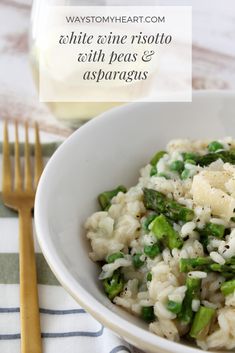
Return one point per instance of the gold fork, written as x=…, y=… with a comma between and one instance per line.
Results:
x=19, y=196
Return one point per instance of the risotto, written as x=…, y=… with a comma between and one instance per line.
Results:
x=167, y=244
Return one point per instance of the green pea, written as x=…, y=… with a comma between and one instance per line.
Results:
x=147, y=313
x=117, y=255
x=152, y=250
x=185, y=174
x=215, y=146
x=149, y=276
x=177, y=166
x=189, y=155
x=137, y=262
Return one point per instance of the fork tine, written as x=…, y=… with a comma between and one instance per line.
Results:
x=18, y=179
x=6, y=181
x=38, y=157
x=27, y=169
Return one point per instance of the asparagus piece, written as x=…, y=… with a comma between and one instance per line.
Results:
x=147, y=221
x=136, y=260
x=226, y=268
x=190, y=161
x=208, y=265
x=204, y=240
x=231, y=261
x=117, y=255
x=215, y=230
x=202, y=322
x=215, y=267
x=105, y=197
x=152, y=250
x=174, y=307
x=157, y=157
x=113, y=285
x=193, y=291
x=147, y=313
x=212, y=156
x=210, y=229
x=228, y=287
x=228, y=275
x=153, y=171
x=196, y=263
x=154, y=200
x=158, y=202
x=165, y=233
x=226, y=156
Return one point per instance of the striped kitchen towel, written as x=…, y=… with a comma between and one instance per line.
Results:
x=65, y=326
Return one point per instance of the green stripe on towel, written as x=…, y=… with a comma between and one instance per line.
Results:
x=6, y=212
x=9, y=270
x=47, y=148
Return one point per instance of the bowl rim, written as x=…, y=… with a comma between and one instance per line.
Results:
x=134, y=334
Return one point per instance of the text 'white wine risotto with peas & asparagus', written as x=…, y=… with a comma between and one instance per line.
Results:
x=167, y=245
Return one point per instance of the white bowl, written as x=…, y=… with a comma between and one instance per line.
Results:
x=106, y=152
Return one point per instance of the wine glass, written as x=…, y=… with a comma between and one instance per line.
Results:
x=73, y=114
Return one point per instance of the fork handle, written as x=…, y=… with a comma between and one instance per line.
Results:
x=29, y=308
